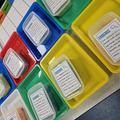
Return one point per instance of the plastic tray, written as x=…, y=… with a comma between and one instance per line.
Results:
x=19, y=47
x=77, y=6
x=93, y=77
x=6, y=7
x=14, y=100
x=56, y=32
x=59, y=10
x=83, y=23
x=36, y=76
x=8, y=78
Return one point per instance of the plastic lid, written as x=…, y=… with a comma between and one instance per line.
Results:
x=41, y=103
x=56, y=7
x=14, y=63
x=66, y=77
x=105, y=34
x=36, y=29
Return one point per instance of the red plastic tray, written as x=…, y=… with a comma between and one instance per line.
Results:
x=16, y=43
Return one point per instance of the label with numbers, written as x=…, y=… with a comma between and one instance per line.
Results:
x=36, y=30
x=41, y=104
x=13, y=62
x=55, y=5
x=66, y=78
x=109, y=38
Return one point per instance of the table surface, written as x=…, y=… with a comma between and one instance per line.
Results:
x=107, y=90
x=108, y=109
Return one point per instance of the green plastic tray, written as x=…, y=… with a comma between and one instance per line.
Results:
x=66, y=20
x=6, y=7
x=35, y=76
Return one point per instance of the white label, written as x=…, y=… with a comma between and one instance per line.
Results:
x=14, y=64
x=12, y=117
x=109, y=38
x=41, y=104
x=36, y=30
x=66, y=78
x=55, y=5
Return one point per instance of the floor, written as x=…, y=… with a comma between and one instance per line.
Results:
x=106, y=91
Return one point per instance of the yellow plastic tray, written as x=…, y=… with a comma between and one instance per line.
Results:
x=95, y=10
x=91, y=74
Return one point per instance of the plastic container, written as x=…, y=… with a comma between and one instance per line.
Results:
x=93, y=77
x=83, y=23
x=41, y=103
x=16, y=43
x=4, y=86
x=106, y=36
x=5, y=73
x=57, y=7
x=15, y=64
x=35, y=77
x=56, y=32
x=36, y=29
x=70, y=14
x=12, y=105
x=66, y=77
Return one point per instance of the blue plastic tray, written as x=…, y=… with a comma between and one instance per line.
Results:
x=55, y=29
x=4, y=71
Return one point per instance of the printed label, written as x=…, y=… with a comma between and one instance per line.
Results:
x=13, y=63
x=66, y=78
x=41, y=104
x=55, y=5
x=36, y=30
x=109, y=38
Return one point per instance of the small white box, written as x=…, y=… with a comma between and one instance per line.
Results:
x=66, y=77
x=105, y=34
x=36, y=29
x=14, y=63
x=57, y=7
x=41, y=102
